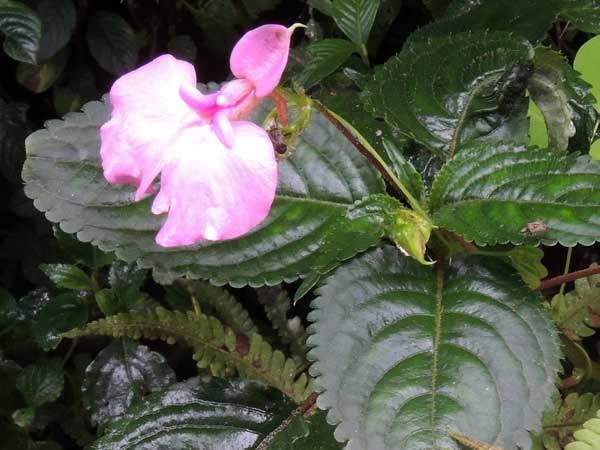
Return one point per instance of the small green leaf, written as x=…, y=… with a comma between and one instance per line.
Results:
x=62, y=313
x=23, y=30
x=326, y=56
x=595, y=151
x=404, y=353
x=40, y=78
x=586, y=63
x=567, y=417
x=67, y=276
x=564, y=100
x=41, y=382
x=405, y=171
x=538, y=132
x=452, y=89
x=355, y=18
x=24, y=417
x=528, y=262
x=122, y=373
x=577, y=312
x=58, y=23
x=112, y=42
x=487, y=195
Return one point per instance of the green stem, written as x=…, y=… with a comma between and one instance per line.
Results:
x=567, y=267
x=364, y=146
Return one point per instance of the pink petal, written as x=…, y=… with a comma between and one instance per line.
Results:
x=148, y=113
x=261, y=56
x=212, y=192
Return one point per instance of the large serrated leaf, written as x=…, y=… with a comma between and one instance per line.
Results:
x=326, y=56
x=452, y=89
x=405, y=353
x=122, y=373
x=564, y=100
x=487, y=194
x=23, y=30
x=214, y=414
x=324, y=176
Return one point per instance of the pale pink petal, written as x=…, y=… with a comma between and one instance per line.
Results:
x=261, y=56
x=212, y=192
x=147, y=115
x=234, y=91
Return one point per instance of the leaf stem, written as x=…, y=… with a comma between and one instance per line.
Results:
x=371, y=154
x=567, y=267
x=551, y=282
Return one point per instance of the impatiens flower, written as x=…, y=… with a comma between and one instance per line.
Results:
x=218, y=173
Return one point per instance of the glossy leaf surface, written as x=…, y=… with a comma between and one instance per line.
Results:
x=452, y=89
x=487, y=195
x=42, y=382
x=112, y=42
x=122, y=373
x=405, y=353
x=326, y=56
x=322, y=178
x=23, y=29
x=355, y=18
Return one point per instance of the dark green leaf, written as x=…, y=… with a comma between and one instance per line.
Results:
x=183, y=46
x=452, y=89
x=405, y=171
x=405, y=353
x=14, y=128
x=8, y=308
x=112, y=42
x=41, y=382
x=67, y=276
x=82, y=252
x=326, y=57
x=355, y=18
x=62, y=313
x=125, y=279
x=10, y=399
x=437, y=7
x=577, y=312
x=563, y=99
x=322, y=178
x=487, y=194
x=78, y=87
x=58, y=23
x=122, y=373
x=529, y=19
x=217, y=414
x=22, y=28
x=584, y=14
x=40, y=78
x=387, y=13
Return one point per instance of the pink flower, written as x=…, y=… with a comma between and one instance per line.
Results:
x=218, y=173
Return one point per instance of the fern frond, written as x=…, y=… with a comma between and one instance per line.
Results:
x=224, y=305
x=277, y=304
x=588, y=436
x=217, y=347
x=569, y=415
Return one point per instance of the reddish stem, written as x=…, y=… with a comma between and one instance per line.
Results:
x=556, y=281
x=281, y=106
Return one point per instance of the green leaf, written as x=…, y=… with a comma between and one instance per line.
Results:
x=58, y=23
x=322, y=178
x=584, y=14
x=437, y=7
x=586, y=63
x=8, y=308
x=126, y=280
x=112, y=42
x=567, y=417
x=14, y=128
x=487, y=195
x=40, y=78
x=62, y=313
x=82, y=252
x=538, y=132
x=195, y=415
x=527, y=261
x=355, y=18
x=313, y=433
x=529, y=19
x=577, y=312
x=23, y=30
x=563, y=99
x=405, y=171
x=326, y=57
x=405, y=353
x=215, y=346
x=67, y=276
x=121, y=374
x=183, y=46
x=595, y=151
x=452, y=89
x=41, y=382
